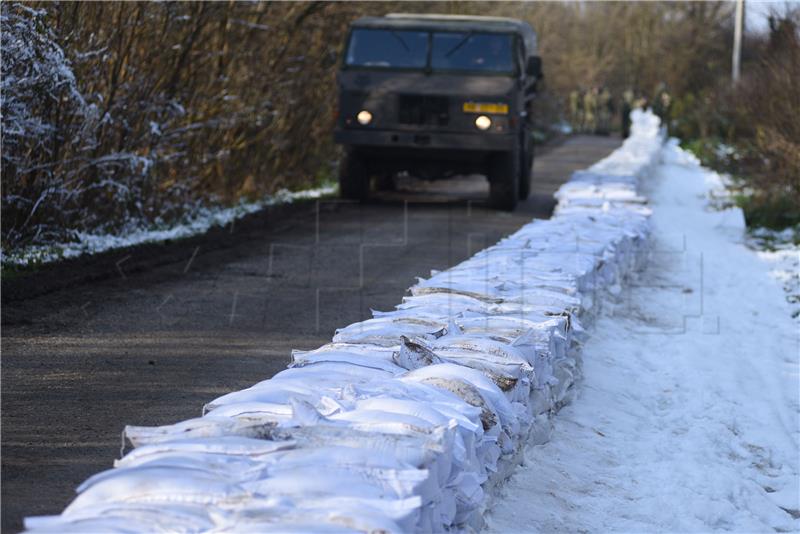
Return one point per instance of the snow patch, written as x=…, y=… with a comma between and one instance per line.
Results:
x=200, y=223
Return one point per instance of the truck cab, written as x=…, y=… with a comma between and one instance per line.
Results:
x=435, y=96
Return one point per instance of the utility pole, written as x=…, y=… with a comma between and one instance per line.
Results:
x=737, y=42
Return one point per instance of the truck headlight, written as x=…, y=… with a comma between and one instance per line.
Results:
x=482, y=122
x=364, y=117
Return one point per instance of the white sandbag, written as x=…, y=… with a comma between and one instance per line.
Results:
x=467, y=432
x=491, y=394
x=326, y=514
x=157, y=485
x=105, y=524
x=393, y=423
x=191, y=428
x=263, y=412
x=332, y=374
x=418, y=400
x=237, y=468
x=386, y=330
x=274, y=391
x=313, y=480
x=300, y=525
x=127, y=517
x=381, y=361
x=224, y=445
x=419, y=450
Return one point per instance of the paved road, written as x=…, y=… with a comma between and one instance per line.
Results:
x=152, y=348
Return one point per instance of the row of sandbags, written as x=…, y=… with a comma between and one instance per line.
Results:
x=405, y=421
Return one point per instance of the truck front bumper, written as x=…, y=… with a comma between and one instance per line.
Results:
x=490, y=142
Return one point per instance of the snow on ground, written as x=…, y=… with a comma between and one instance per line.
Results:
x=782, y=251
x=785, y=268
x=688, y=416
x=201, y=222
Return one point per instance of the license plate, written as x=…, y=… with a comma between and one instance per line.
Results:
x=485, y=107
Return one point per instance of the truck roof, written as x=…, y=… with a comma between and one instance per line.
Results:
x=453, y=23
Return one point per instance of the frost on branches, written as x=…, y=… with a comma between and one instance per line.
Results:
x=67, y=166
x=39, y=97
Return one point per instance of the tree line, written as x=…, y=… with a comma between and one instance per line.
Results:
x=121, y=114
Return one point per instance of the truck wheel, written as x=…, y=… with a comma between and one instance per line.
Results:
x=353, y=177
x=504, y=180
x=526, y=172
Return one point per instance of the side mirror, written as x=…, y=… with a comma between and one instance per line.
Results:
x=534, y=67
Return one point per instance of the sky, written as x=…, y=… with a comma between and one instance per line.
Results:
x=757, y=12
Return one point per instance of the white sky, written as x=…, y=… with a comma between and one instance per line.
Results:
x=757, y=12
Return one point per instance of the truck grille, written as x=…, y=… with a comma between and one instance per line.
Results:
x=418, y=109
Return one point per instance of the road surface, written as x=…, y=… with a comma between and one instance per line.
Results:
x=151, y=348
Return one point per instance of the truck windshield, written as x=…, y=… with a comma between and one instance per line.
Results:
x=485, y=52
x=451, y=51
x=388, y=48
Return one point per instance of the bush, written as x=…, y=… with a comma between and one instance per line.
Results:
x=752, y=131
x=130, y=113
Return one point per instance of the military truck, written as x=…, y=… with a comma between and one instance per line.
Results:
x=435, y=96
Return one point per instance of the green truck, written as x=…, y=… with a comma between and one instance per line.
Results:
x=435, y=96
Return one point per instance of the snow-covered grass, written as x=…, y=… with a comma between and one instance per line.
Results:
x=199, y=223
x=688, y=416
x=782, y=250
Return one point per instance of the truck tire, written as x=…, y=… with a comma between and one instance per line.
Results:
x=353, y=177
x=504, y=180
x=526, y=172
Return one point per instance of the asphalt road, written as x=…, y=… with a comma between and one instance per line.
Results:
x=151, y=348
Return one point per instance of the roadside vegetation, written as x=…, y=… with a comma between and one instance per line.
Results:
x=751, y=130
x=129, y=115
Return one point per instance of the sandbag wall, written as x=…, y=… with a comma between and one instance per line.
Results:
x=404, y=422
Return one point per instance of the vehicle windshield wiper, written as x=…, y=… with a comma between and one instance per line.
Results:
x=461, y=43
x=402, y=42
